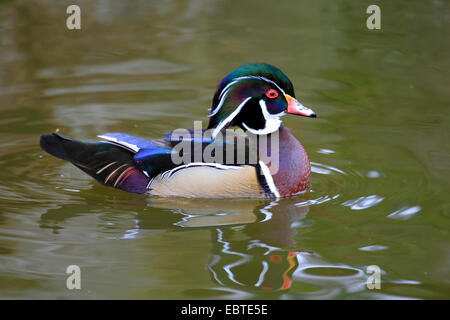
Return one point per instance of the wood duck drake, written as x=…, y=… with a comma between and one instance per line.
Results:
x=253, y=98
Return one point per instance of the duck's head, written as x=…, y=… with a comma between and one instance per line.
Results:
x=254, y=97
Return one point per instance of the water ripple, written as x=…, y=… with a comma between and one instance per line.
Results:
x=132, y=67
x=363, y=202
x=324, y=169
x=404, y=213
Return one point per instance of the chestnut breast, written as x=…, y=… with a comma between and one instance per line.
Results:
x=294, y=168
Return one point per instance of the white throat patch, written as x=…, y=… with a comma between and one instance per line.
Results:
x=273, y=121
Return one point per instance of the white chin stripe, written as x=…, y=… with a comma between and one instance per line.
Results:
x=273, y=121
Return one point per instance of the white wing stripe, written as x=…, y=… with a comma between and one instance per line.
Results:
x=130, y=146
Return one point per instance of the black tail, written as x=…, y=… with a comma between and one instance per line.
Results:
x=109, y=164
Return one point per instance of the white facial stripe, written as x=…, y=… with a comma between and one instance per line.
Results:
x=270, y=81
x=228, y=86
x=222, y=100
x=265, y=170
x=225, y=90
x=273, y=121
x=258, y=78
x=229, y=118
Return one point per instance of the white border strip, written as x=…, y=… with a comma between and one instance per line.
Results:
x=124, y=144
x=269, y=179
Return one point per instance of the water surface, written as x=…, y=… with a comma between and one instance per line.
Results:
x=379, y=150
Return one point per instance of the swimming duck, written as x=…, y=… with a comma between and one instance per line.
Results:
x=252, y=99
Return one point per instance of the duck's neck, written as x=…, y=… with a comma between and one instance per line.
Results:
x=291, y=171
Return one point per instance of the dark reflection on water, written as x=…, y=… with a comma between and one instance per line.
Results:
x=251, y=242
x=254, y=248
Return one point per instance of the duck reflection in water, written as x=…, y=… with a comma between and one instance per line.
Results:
x=253, y=241
x=254, y=246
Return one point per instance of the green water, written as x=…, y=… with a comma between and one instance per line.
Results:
x=379, y=150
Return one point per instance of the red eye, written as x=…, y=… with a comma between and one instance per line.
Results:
x=271, y=93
